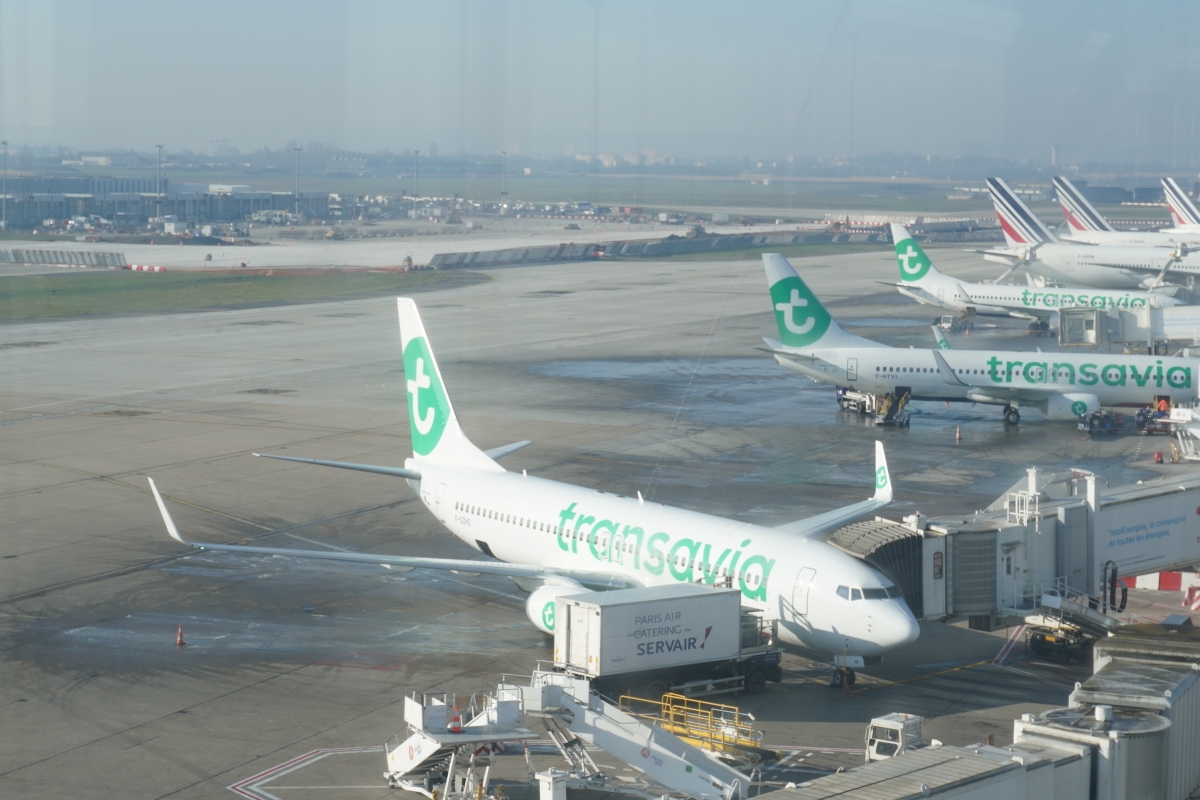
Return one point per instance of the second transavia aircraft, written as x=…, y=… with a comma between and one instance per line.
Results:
x=1062, y=386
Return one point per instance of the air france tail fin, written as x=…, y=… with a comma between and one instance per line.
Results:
x=803, y=322
x=1081, y=214
x=1020, y=225
x=915, y=266
x=1183, y=210
x=436, y=436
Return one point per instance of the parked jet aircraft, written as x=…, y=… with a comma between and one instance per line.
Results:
x=921, y=280
x=1062, y=386
x=1034, y=248
x=1183, y=210
x=1088, y=226
x=555, y=539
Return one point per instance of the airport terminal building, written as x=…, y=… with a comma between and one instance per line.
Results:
x=133, y=201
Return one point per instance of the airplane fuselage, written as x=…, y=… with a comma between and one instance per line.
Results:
x=1117, y=380
x=523, y=519
x=1106, y=267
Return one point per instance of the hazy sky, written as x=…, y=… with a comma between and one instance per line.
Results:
x=1105, y=80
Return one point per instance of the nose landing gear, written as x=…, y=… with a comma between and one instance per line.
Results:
x=1011, y=415
x=842, y=677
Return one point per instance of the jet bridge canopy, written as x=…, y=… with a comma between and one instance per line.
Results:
x=892, y=548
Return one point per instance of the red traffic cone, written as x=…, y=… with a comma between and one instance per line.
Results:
x=456, y=722
x=179, y=642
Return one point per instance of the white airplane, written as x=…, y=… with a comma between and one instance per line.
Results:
x=1036, y=249
x=1063, y=386
x=554, y=539
x=921, y=280
x=1088, y=226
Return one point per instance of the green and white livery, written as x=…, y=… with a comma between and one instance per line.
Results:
x=921, y=280
x=555, y=539
x=1060, y=385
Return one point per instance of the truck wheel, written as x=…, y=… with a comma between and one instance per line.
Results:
x=756, y=682
x=656, y=690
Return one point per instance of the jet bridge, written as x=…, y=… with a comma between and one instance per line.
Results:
x=1053, y=537
x=445, y=753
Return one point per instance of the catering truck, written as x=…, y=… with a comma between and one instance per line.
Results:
x=692, y=639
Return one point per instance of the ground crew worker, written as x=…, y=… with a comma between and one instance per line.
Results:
x=1163, y=407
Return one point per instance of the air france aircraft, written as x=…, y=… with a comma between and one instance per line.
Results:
x=1183, y=210
x=1062, y=386
x=554, y=539
x=1036, y=249
x=921, y=280
x=1088, y=226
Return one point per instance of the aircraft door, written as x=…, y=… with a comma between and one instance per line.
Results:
x=438, y=500
x=941, y=295
x=800, y=590
x=851, y=369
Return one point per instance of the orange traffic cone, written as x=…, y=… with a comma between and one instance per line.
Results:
x=958, y=434
x=179, y=642
x=967, y=333
x=456, y=722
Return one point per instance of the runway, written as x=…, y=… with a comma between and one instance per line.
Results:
x=627, y=376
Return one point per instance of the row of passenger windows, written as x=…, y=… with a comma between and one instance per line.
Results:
x=1017, y=372
x=887, y=593
x=626, y=547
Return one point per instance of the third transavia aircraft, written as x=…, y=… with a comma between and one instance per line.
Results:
x=555, y=539
x=1061, y=385
x=921, y=280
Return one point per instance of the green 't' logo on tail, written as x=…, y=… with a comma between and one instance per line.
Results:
x=428, y=408
x=800, y=316
x=913, y=261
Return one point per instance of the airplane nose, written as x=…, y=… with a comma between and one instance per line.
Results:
x=903, y=628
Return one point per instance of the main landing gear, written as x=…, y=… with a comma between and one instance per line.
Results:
x=1011, y=415
x=842, y=676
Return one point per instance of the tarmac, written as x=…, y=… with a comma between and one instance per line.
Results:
x=627, y=376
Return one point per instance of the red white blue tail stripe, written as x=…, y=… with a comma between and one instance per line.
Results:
x=1081, y=215
x=1020, y=225
x=1182, y=208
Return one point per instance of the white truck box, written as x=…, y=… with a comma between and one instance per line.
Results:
x=630, y=630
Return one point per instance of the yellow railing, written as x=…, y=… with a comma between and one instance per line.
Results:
x=712, y=725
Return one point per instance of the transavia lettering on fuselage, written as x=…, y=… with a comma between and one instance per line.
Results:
x=1043, y=299
x=1034, y=372
x=660, y=553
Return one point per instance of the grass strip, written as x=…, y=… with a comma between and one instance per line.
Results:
x=124, y=292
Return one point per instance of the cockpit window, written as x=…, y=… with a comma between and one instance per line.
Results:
x=855, y=594
x=894, y=593
x=844, y=592
x=875, y=594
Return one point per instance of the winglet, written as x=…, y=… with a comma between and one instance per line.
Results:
x=947, y=374
x=166, y=515
x=941, y=340
x=883, y=479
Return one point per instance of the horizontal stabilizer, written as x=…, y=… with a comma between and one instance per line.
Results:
x=395, y=472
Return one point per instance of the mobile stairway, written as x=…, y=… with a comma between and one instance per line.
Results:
x=445, y=751
x=576, y=715
x=723, y=730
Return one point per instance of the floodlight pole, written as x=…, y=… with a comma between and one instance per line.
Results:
x=297, y=148
x=4, y=191
x=504, y=179
x=415, y=154
x=158, y=187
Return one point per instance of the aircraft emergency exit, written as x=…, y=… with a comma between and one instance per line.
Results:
x=555, y=539
x=1063, y=386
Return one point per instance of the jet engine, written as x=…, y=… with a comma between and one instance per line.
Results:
x=1071, y=405
x=539, y=606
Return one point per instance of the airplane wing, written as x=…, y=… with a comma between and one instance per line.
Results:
x=462, y=566
x=822, y=523
x=990, y=393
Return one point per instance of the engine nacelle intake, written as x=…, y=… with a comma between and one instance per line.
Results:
x=539, y=606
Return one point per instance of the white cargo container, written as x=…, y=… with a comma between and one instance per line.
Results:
x=633, y=630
